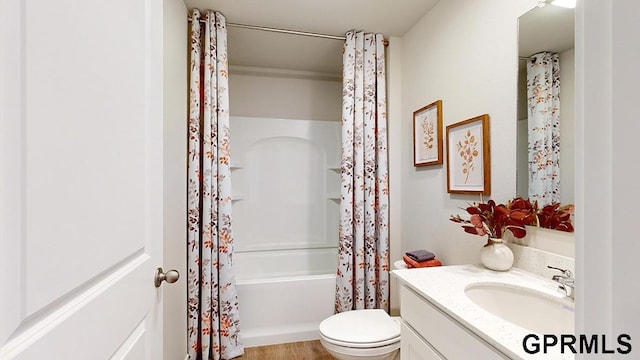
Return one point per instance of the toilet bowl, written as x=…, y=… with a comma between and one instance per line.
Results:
x=361, y=334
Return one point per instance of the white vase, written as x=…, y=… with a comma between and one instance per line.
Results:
x=495, y=255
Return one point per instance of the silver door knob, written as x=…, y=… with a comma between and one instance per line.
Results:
x=170, y=276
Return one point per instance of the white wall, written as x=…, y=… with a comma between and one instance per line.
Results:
x=607, y=75
x=463, y=52
x=175, y=148
x=285, y=94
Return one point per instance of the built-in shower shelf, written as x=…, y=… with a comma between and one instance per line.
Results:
x=335, y=197
x=237, y=197
x=335, y=169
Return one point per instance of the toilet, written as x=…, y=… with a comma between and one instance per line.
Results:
x=362, y=334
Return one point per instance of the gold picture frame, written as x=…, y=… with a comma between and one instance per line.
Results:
x=427, y=135
x=469, y=157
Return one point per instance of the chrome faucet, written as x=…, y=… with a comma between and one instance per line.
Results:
x=566, y=280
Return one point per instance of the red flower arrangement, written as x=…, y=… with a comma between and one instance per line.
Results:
x=494, y=220
x=554, y=216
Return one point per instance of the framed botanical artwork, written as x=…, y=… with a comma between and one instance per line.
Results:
x=427, y=135
x=468, y=157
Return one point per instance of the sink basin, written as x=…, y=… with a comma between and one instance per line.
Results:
x=530, y=309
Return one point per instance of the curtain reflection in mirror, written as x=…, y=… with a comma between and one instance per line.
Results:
x=543, y=96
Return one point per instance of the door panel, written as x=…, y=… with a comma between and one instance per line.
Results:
x=134, y=348
x=85, y=151
x=11, y=161
x=97, y=322
x=81, y=173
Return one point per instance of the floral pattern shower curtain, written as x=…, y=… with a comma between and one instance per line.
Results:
x=363, y=251
x=213, y=331
x=543, y=93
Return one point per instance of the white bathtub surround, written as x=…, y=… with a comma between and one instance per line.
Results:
x=285, y=205
x=284, y=309
x=363, y=252
x=444, y=289
x=285, y=184
x=281, y=264
x=213, y=321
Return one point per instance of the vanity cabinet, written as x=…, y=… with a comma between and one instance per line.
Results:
x=413, y=347
x=428, y=333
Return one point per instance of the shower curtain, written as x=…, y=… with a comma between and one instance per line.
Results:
x=213, y=331
x=543, y=93
x=362, y=280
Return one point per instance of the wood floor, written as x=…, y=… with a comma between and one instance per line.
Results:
x=304, y=350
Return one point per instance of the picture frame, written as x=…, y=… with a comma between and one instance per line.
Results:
x=469, y=156
x=427, y=135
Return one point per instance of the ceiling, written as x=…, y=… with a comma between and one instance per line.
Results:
x=334, y=17
x=548, y=28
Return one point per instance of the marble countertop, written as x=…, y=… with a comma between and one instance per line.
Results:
x=444, y=287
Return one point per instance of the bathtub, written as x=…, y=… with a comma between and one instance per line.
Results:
x=283, y=296
x=286, y=214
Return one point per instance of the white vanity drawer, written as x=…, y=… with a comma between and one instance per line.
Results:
x=448, y=337
x=413, y=347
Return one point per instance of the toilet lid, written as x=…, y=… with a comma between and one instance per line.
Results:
x=360, y=327
x=399, y=264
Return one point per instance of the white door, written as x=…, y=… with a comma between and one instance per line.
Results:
x=80, y=179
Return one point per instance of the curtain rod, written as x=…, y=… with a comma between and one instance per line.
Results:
x=292, y=32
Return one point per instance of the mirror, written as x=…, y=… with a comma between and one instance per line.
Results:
x=549, y=28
